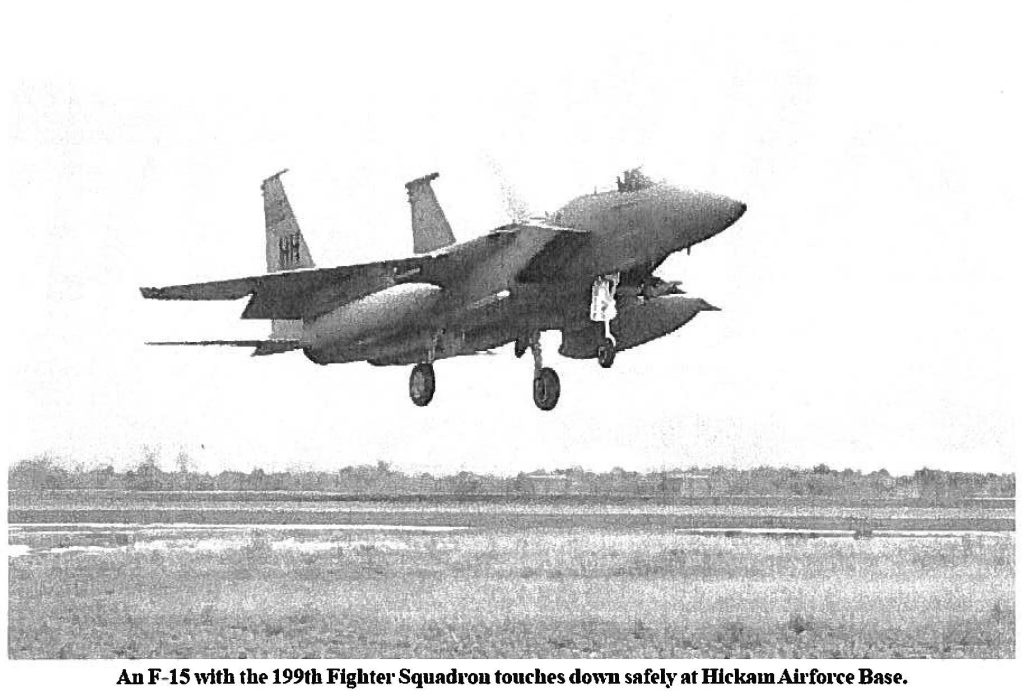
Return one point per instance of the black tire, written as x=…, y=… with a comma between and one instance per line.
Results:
x=546, y=389
x=606, y=353
x=421, y=384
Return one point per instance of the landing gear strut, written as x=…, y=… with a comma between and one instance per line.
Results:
x=603, y=309
x=546, y=385
x=421, y=384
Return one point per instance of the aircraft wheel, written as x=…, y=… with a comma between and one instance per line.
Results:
x=546, y=389
x=606, y=353
x=421, y=384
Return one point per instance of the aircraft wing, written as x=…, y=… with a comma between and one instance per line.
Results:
x=301, y=293
x=308, y=292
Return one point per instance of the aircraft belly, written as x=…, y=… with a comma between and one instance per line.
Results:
x=395, y=308
x=480, y=326
x=410, y=322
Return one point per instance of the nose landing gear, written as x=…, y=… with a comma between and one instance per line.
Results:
x=603, y=309
x=606, y=352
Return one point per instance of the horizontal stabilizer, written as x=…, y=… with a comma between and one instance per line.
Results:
x=262, y=347
x=276, y=346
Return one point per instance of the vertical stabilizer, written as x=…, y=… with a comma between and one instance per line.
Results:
x=430, y=228
x=286, y=248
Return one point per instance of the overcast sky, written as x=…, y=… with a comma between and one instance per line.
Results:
x=868, y=318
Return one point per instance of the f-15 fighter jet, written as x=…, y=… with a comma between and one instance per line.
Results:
x=587, y=271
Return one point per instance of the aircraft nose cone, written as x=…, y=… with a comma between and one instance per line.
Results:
x=722, y=212
x=729, y=211
x=739, y=208
x=701, y=215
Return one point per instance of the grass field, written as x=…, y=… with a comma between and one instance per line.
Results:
x=518, y=592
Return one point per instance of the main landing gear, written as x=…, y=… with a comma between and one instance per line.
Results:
x=421, y=384
x=546, y=385
x=421, y=380
x=602, y=309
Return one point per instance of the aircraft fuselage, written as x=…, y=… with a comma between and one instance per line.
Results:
x=630, y=233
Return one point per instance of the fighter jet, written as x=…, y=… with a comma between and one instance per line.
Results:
x=587, y=271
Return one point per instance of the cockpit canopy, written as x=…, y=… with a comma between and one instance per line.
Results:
x=633, y=180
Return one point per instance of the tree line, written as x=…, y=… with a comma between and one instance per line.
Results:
x=380, y=479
